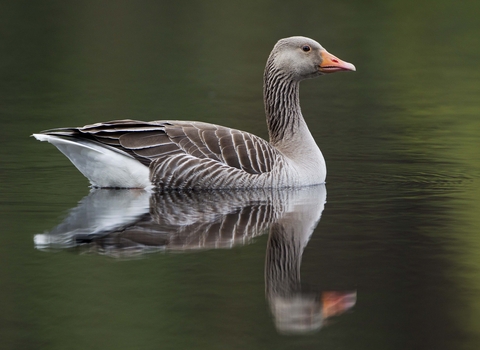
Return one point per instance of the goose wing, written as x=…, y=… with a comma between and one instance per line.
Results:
x=152, y=141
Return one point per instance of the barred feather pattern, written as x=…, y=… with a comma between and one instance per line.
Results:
x=282, y=104
x=190, y=155
x=124, y=222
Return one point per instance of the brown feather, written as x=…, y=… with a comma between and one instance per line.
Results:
x=144, y=139
x=157, y=151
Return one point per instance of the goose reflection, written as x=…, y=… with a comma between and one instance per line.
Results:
x=131, y=223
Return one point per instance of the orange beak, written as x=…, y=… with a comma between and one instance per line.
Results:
x=331, y=64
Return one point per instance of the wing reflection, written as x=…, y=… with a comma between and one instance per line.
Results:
x=130, y=223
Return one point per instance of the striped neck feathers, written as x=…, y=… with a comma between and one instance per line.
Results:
x=282, y=103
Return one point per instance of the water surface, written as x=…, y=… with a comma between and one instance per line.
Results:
x=398, y=234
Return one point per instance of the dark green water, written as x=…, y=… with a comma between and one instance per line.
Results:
x=401, y=138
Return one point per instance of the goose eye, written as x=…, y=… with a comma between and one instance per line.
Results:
x=306, y=48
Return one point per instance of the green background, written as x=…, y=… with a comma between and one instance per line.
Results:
x=401, y=139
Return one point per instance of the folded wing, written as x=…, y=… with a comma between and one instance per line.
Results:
x=167, y=147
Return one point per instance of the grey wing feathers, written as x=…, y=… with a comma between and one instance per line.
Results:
x=149, y=141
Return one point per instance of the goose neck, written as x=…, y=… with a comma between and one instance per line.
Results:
x=282, y=105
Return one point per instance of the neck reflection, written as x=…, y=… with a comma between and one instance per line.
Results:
x=132, y=223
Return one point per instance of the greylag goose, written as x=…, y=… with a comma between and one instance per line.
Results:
x=195, y=155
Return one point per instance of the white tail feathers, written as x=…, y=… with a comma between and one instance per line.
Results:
x=102, y=165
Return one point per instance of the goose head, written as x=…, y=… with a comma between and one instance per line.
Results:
x=302, y=58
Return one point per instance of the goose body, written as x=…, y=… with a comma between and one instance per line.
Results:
x=196, y=155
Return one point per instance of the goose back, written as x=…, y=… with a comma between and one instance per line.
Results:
x=183, y=154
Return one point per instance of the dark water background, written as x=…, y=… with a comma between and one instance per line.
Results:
x=401, y=139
